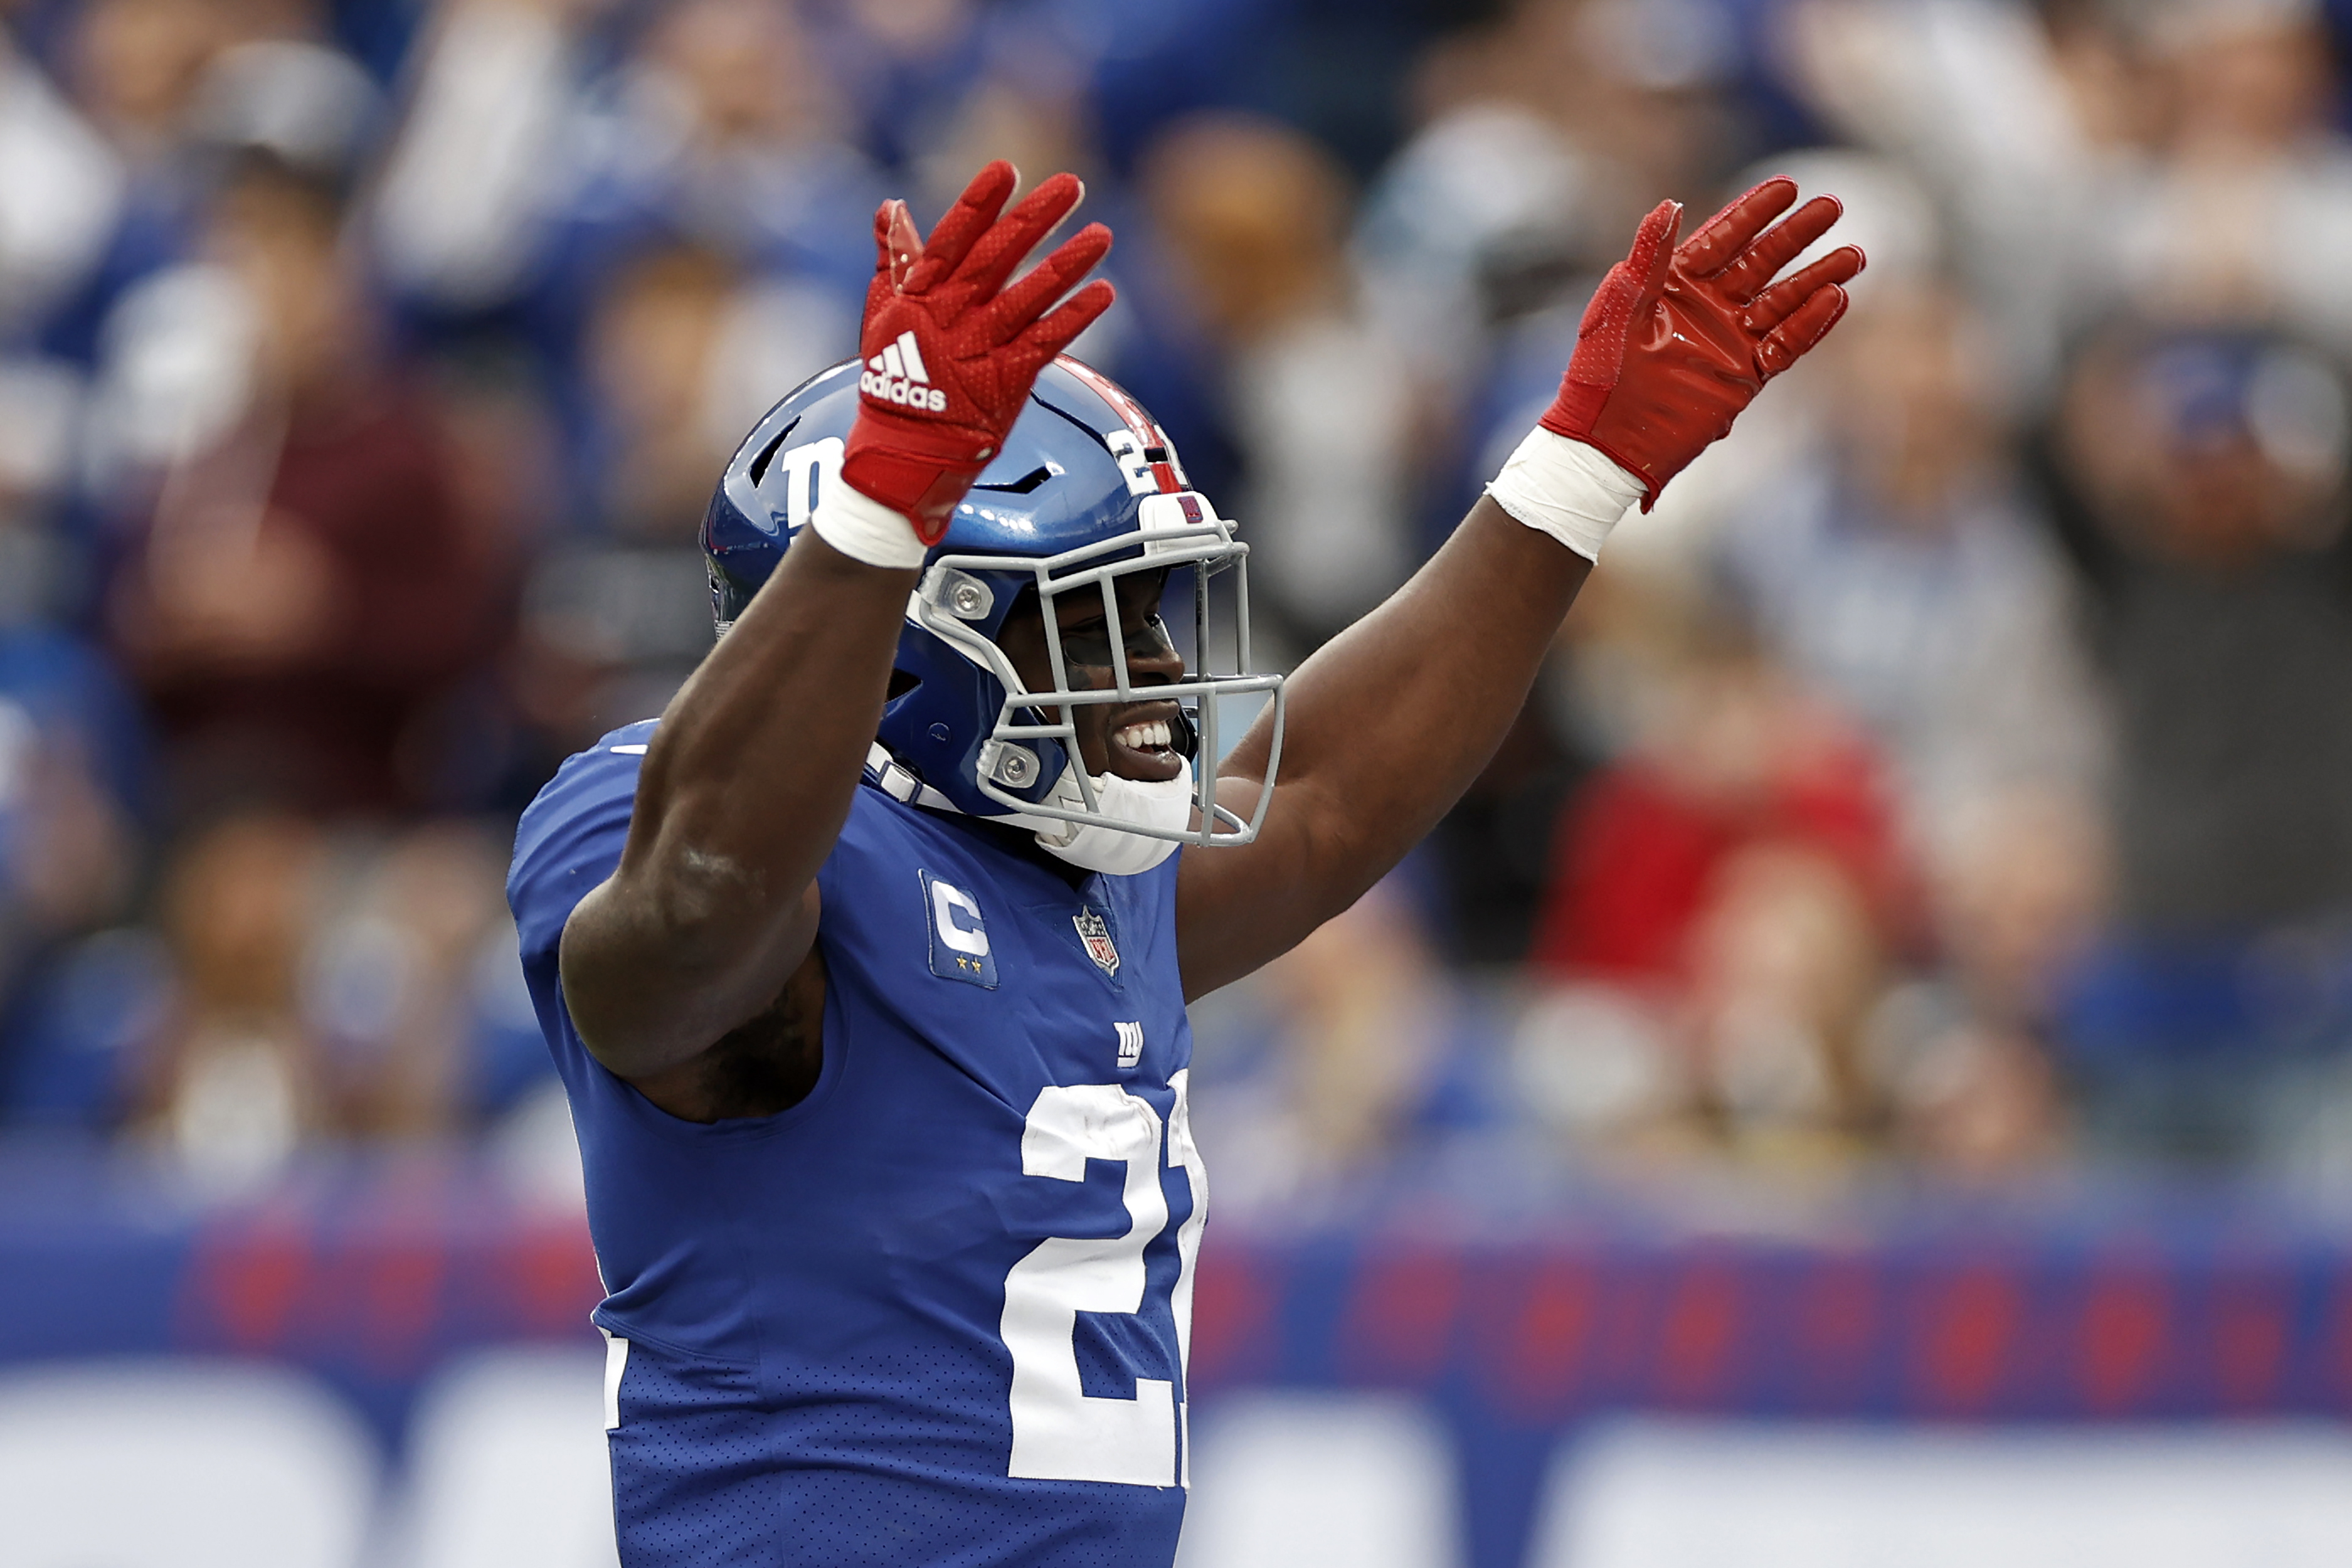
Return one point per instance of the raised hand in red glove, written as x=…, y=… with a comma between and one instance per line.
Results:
x=1677, y=341
x=951, y=353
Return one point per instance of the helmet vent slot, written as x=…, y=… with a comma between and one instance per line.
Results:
x=1023, y=485
x=759, y=470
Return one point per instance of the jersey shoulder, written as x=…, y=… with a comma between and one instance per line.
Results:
x=571, y=837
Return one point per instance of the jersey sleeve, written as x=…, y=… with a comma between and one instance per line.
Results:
x=570, y=841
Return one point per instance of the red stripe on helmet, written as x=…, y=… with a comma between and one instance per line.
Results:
x=1164, y=473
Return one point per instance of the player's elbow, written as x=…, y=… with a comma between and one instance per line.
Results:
x=615, y=965
x=655, y=968
x=625, y=1002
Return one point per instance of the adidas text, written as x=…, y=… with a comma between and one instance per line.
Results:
x=898, y=375
x=904, y=392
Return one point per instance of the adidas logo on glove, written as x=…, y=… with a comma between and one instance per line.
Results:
x=897, y=375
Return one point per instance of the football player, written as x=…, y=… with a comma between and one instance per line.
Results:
x=866, y=965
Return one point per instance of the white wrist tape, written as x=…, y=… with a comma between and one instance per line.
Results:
x=1566, y=490
x=865, y=529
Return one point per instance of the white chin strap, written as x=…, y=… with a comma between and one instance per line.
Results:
x=1101, y=847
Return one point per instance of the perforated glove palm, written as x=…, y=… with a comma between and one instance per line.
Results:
x=1677, y=341
x=951, y=353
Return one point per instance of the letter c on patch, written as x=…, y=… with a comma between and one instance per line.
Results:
x=956, y=917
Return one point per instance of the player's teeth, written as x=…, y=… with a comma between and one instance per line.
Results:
x=1143, y=737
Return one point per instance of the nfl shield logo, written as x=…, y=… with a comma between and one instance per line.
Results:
x=1096, y=934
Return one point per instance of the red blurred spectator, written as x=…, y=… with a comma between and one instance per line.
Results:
x=311, y=587
x=1738, y=759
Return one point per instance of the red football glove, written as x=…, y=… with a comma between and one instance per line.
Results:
x=1677, y=341
x=949, y=358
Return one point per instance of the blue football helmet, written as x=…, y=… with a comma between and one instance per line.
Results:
x=1087, y=490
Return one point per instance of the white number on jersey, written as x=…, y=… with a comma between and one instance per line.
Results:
x=1181, y=1150
x=1058, y=1432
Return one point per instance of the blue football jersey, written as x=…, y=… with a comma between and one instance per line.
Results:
x=936, y=1313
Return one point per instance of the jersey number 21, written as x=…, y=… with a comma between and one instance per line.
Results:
x=1058, y=1432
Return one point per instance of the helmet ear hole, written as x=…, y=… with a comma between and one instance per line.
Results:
x=1024, y=603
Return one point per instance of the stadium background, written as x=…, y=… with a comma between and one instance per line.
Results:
x=1866, y=1076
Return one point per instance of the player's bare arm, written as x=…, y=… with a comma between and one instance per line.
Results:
x=691, y=971
x=1391, y=722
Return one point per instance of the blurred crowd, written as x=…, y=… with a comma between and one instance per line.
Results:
x=1952, y=776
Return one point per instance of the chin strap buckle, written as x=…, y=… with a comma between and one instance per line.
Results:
x=894, y=779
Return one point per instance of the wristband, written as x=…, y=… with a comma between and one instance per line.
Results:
x=1566, y=488
x=865, y=529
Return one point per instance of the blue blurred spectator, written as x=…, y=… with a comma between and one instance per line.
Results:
x=525, y=173
x=2176, y=158
x=225, y=1078
x=904, y=66
x=1900, y=565
x=299, y=985
x=59, y=207
x=1965, y=1047
x=1250, y=217
x=1546, y=135
x=683, y=352
x=403, y=985
x=135, y=68
x=167, y=85
x=2204, y=477
x=1352, y=1050
x=74, y=1039
x=71, y=790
